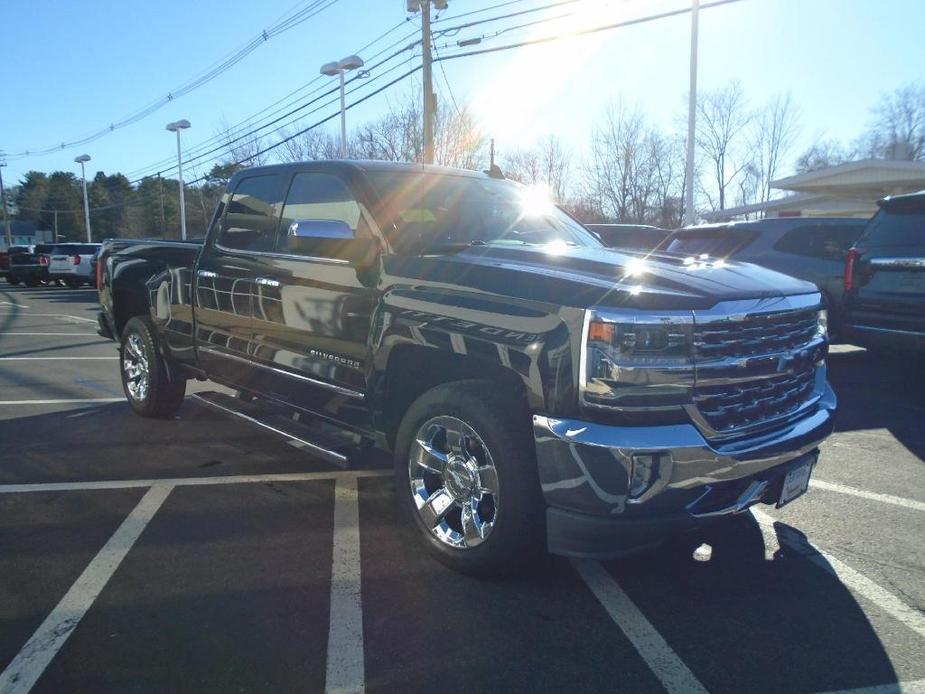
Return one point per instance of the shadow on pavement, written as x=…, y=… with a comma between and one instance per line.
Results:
x=880, y=391
x=744, y=623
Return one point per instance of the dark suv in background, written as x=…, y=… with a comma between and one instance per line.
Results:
x=810, y=248
x=884, y=280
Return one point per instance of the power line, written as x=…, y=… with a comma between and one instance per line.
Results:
x=584, y=32
x=169, y=164
x=315, y=7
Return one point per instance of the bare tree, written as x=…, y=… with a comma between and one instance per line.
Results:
x=636, y=173
x=308, y=146
x=242, y=147
x=548, y=163
x=821, y=155
x=898, y=128
x=722, y=121
x=775, y=129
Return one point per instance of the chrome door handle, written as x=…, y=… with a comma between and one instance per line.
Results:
x=208, y=274
x=264, y=282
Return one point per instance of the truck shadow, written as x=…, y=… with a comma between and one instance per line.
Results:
x=880, y=391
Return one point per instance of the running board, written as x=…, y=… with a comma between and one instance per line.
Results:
x=330, y=447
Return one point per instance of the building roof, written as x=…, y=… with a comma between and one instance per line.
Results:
x=867, y=178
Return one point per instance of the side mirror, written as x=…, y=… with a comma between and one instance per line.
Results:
x=330, y=238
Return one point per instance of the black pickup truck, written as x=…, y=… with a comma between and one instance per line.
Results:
x=536, y=388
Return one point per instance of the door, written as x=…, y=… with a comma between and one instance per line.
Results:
x=312, y=307
x=225, y=279
x=889, y=269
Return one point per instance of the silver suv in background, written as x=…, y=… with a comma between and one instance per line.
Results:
x=71, y=263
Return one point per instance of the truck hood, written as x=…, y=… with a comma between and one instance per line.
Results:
x=583, y=276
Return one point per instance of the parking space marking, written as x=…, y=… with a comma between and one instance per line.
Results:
x=11, y=303
x=29, y=664
x=66, y=401
x=911, y=687
x=58, y=358
x=665, y=664
x=345, y=634
x=852, y=579
x=48, y=315
x=191, y=481
x=872, y=496
x=18, y=334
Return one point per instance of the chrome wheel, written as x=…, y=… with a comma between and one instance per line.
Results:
x=135, y=367
x=454, y=482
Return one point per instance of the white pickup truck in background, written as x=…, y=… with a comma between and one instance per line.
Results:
x=71, y=263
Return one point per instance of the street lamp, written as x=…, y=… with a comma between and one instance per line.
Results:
x=176, y=127
x=341, y=67
x=83, y=159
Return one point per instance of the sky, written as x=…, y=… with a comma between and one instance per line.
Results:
x=71, y=68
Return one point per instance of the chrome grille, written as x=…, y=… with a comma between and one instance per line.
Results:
x=727, y=408
x=757, y=335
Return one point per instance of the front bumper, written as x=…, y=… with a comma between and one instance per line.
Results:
x=586, y=469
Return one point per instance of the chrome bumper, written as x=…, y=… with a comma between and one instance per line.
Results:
x=586, y=467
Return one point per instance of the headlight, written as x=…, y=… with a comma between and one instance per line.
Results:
x=823, y=322
x=633, y=360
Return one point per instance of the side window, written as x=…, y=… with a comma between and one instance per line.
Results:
x=798, y=241
x=826, y=241
x=320, y=196
x=250, y=223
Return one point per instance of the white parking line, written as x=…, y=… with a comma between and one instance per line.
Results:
x=854, y=580
x=659, y=656
x=10, y=303
x=48, y=315
x=911, y=687
x=345, y=633
x=29, y=664
x=59, y=402
x=52, y=334
x=191, y=481
x=56, y=358
x=872, y=496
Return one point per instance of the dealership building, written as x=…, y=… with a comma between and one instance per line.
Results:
x=847, y=190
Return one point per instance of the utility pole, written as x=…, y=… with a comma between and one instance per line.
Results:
x=491, y=161
x=6, y=215
x=160, y=191
x=56, y=226
x=689, y=217
x=428, y=76
x=430, y=102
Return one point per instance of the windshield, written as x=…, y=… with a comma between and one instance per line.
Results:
x=427, y=212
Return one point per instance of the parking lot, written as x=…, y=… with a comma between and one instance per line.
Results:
x=199, y=554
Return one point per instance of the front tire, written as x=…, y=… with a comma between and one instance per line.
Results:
x=466, y=475
x=152, y=388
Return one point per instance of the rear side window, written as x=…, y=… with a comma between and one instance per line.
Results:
x=250, y=222
x=896, y=227
x=824, y=241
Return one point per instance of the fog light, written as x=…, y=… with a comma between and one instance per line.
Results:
x=644, y=473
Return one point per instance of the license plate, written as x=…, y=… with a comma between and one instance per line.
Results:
x=796, y=482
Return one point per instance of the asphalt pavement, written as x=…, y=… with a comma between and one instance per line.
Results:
x=202, y=555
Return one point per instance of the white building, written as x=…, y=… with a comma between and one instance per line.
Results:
x=847, y=190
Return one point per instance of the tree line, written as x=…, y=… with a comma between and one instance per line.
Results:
x=633, y=169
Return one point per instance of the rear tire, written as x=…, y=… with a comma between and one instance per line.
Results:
x=153, y=389
x=483, y=515
x=32, y=282
x=73, y=284
x=12, y=279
